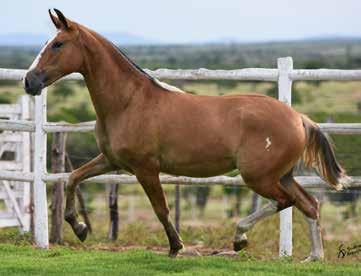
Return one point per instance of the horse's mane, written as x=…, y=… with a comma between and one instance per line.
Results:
x=155, y=81
x=134, y=64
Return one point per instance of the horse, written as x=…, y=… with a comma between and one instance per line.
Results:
x=146, y=127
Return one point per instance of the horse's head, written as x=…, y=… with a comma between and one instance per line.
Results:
x=60, y=56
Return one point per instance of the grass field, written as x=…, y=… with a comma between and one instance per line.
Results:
x=142, y=246
x=15, y=260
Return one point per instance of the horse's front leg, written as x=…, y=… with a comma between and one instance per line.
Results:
x=97, y=166
x=149, y=179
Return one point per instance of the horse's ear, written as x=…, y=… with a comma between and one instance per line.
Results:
x=55, y=20
x=61, y=18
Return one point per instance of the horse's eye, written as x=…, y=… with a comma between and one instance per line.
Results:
x=57, y=45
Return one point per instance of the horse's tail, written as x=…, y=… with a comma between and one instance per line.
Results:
x=320, y=155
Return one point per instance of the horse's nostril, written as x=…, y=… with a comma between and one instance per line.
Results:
x=26, y=83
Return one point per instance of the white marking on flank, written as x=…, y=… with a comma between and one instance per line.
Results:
x=268, y=144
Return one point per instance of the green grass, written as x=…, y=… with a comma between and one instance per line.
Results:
x=15, y=260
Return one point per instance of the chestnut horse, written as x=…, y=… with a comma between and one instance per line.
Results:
x=147, y=127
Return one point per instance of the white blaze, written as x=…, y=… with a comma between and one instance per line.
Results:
x=37, y=59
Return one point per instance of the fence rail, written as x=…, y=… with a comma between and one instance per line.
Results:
x=49, y=127
x=252, y=74
x=309, y=182
x=284, y=75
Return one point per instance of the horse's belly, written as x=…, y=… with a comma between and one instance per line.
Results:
x=199, y=153
x=205, y=167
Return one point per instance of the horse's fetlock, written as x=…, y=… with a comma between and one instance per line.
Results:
x=243, y=226
x=70, y=216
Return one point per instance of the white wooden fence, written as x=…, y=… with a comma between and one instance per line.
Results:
x=284, y=75
x=15, y=195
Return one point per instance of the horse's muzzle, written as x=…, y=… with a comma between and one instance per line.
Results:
x=33, y=83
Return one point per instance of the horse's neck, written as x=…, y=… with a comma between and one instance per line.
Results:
x=113, y=82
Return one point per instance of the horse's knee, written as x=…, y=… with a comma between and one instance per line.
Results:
x=73, y=180
x=73, y=177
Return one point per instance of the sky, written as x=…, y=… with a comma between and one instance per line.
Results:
x=187, y=21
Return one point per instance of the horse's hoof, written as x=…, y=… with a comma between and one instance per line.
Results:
x=313, y=258
x=227, y=254
x=239, y=245
x=192, y=252
x=173, y=252
x=81, y=231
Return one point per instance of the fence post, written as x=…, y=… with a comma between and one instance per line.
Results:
x=40, y=202
x=26, y=157
x=285, y=66
x=57, y=208
x=177, y=207
x=113, y=212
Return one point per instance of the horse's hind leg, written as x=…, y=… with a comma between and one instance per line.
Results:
x=316, y=241
x=97, y=166
x=309, y=206
x=279, y=201
x=245, y=224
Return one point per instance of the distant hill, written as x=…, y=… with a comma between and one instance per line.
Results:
x=128, y=39
x=315, y=52
x=26, y=39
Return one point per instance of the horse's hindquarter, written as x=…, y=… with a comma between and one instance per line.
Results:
x=205, y=136
x=273, y=141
